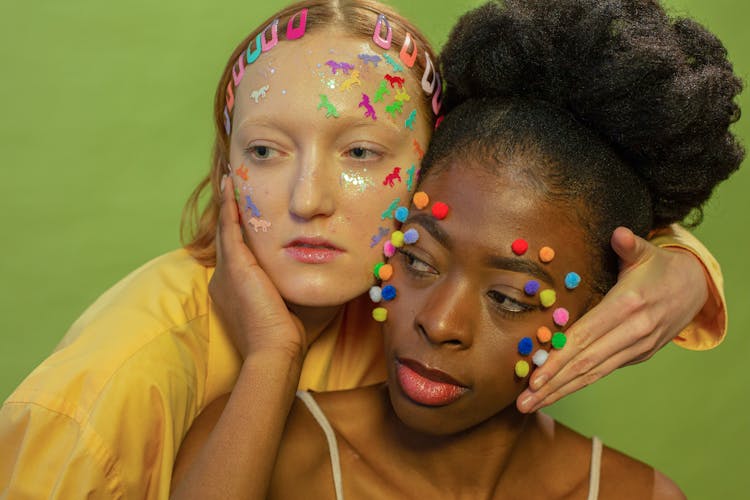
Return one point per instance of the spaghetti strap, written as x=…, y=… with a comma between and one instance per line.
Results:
x=333, y=447
x=596, y=463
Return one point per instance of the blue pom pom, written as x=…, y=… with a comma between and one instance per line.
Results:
x=411, y=236
x=401, y=214
x=525, y=346
x=572, y=280
x=389, y=292
x=531, y=287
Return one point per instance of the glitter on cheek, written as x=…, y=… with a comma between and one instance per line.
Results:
x=356, y=181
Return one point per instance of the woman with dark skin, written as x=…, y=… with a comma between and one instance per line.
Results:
x=515, y=158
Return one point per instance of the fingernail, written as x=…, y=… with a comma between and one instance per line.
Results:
x=538, y=382
x=526, y=403
x=223, y=182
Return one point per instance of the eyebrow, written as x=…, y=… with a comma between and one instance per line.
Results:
x=515, y=264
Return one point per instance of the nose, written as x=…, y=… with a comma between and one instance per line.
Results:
x=448, y=315
x=315, y=187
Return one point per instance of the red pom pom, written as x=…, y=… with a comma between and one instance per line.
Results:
x=440, y=210
x=519, y=246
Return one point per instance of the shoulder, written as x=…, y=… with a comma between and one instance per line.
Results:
x=625, y=477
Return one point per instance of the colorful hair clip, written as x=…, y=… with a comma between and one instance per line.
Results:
x=408, y=59
x=384, y=43
x=227, y=121
x=266, y=46
x=427, y=85
x=230, y=97
x=253, y=56
x=237, y=74
x=293, y=33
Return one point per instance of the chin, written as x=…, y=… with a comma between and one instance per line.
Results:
x=323, y=293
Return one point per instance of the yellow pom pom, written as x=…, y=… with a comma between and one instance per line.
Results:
x=380, y=314
x=548, y=297
x=522, y=369
x=397, y=239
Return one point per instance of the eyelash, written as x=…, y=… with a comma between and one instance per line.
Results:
x=409, y=263
x=498, y=298
x=370, y=153
x=252, y=151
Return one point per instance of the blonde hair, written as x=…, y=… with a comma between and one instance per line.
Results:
x=353, y=17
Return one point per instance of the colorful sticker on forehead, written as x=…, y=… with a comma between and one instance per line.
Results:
x=352, y=80
x=331, y=111
x=356, y=180
x=369, y=110
x=382, y=91
x=402, y=96
x=395, y=107
x=370, y=58
x=260, y=93
x=392, y=177
x=335, y=66
x=394, y=80
x=396, y=66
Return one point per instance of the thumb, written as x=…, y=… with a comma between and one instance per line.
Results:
x=631, y=249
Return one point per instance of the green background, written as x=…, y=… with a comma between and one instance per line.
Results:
x=106, y=128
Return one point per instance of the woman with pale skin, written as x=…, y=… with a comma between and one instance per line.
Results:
x=508, y=166
x=314, y=171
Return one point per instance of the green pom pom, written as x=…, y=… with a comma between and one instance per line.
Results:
x=558, y=340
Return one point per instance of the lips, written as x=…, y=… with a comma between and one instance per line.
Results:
x=427, y=386
x=312, y=250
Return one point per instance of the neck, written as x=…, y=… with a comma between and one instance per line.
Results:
x=315, y=320
x=487, y=450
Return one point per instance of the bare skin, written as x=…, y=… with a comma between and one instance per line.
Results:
x=461, y=310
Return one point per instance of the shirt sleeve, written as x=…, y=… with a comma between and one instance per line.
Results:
x=709, y=326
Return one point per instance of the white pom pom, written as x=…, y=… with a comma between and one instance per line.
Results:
x=376, y=294
x=540, y=357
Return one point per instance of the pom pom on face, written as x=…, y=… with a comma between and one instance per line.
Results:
x=543, y=334
x=558, y=340
x=401, y=214
x=525, y=346
x=519, y=246
x=421, y=200
x=380, y=314
x=388, y=292
x=540, y=357
x=388, y=249
x=546, y=254
x=397, y=239
x=547, y=297
x=572, y=280
x=440, y=210
x=376, y=294
x=531, y=287
x=522, y=369
x=385, y=272
x=560, y=316
x=411, y=236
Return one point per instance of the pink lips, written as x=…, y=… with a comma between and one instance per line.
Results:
x=426, y=386
x=312, y=250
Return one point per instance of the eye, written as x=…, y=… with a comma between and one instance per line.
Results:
x=507, y=304
x=261, y=152
x=362, y=153
x=415, y=265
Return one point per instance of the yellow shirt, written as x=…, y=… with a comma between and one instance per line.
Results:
x=104, y=415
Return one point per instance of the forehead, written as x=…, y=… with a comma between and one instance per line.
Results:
x=341, y=66
x=491, y=209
